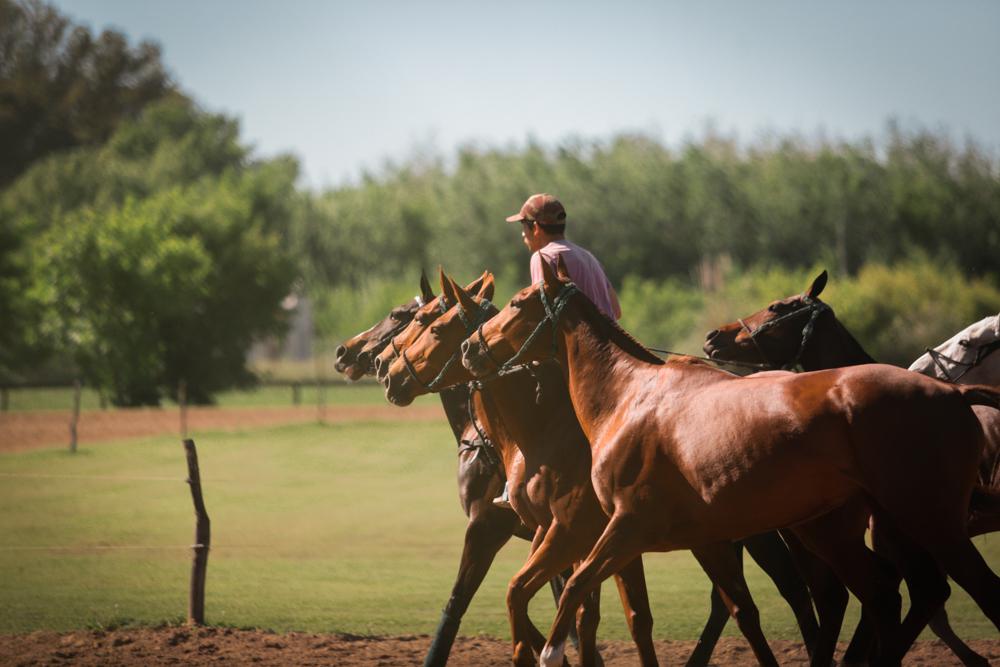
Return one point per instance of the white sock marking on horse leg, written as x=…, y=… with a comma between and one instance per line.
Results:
x=552, y=656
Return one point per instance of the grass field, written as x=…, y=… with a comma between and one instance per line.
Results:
x=338, y=392
x=348, y=528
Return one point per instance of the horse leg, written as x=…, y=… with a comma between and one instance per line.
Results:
x=721, y=564
x=939, y=626
x=554, y=551
x=869, y=577
x=588, y=617
x=631, y=581
x=486, y=533
x=618, y=545
x=556, y=585
x=927, y=584
x=965, y=565
x=770, y=552
x=718, y=616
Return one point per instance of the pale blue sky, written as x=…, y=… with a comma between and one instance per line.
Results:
x=346, y=86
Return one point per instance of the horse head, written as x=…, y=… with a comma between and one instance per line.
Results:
x=427, y=361
x=424, y=318
x=354, y=356
x=969, y=357
x=775, y=336
x=516, y=334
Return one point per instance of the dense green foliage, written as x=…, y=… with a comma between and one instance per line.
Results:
x=654, y=212
x=159, y=256
x=62, y=86
x=348, y=528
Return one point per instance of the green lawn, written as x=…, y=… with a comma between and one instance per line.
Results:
x=337, y=392
x=348, y=528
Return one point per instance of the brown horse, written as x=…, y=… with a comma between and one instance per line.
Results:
x=803, y=329
x=686, y=455
x=479, y=479
x=546, y=458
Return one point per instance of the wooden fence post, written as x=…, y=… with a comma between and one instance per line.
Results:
x=296, y=393
x=76, y=416
x=182, y=401
x=202, y=540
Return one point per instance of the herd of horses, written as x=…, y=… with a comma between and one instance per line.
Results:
x=608, y=451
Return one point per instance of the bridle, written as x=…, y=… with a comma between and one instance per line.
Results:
x=982, y=351
x=814, y=307
x=442, y=309
x=470, y=325
x=553, y=311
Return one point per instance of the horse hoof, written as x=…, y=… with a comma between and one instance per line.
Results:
x=552, y=656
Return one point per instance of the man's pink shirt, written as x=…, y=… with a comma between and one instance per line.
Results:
x=584, y=269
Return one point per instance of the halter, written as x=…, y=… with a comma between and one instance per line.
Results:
x=553, y=311
x=982, y=351
x=815, y=307
x=470, y=326
x=442, y=308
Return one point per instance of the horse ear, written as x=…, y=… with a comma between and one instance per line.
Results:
x=549, y=276
x=425, y=287
x=462, y=297
x=486, y=291
x=477, y=284
x=447, y=288
x=817, y=286
x=562, y=271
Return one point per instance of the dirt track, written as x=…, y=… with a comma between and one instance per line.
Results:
x=225, y=646
x=32, y=430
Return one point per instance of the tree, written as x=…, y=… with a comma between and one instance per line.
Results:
x=173, y=287
x=61, y=86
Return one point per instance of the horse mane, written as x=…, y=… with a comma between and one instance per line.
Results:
x=849, y=337
x=614, y=332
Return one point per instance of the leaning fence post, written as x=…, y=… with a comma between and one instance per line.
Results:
x=76, y=416
x=202, y=540
x=182, y=401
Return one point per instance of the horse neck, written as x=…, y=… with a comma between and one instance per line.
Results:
x=512, y=415
x=833, y=346
x=598, y=371
x=455, y=401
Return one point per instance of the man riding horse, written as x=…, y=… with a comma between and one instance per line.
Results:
x=543, y=231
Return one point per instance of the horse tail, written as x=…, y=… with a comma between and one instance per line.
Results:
x=980, y=394
x=984, y=508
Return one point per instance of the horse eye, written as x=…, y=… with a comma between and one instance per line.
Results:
x=773, y=308
x=435, y=331
x=964, y=342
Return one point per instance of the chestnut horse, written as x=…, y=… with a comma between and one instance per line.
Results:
x=803, y=329
x=544, y=453
x=685, y=455
x=479, y=479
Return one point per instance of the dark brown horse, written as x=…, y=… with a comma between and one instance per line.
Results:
x=541, y=471
x=802, y=329
x=685, y=455
x=479, y=479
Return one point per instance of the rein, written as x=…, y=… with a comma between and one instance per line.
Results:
x=470, y=326
x=814, y=307
x=982, y=351
x=553, y=311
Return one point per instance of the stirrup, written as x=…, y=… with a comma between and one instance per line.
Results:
x=503, y=500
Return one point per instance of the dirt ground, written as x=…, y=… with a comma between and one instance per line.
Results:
x=226, y=646
x=44, y=428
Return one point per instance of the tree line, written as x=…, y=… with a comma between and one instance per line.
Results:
x=142, y=243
